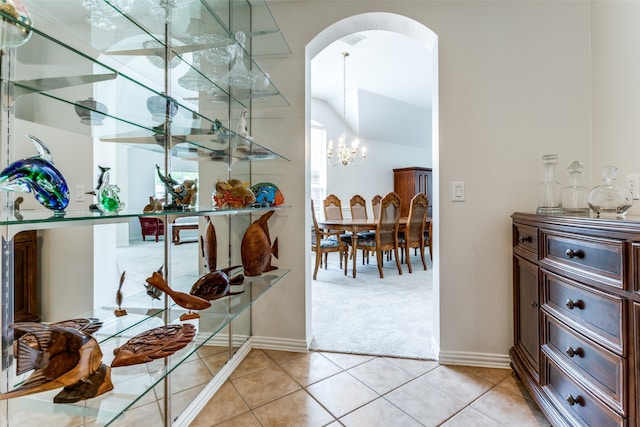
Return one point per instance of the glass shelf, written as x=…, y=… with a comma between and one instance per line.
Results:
x=41, y=218
x=144, y=377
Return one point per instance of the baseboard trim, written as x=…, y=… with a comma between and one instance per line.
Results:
x=483, y=360
x=263, y=343
x=194, y=408
x=280, y=344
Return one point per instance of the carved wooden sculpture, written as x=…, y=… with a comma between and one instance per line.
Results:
x=119, y=297
x=88, y=325
x=60, y=357
x=154, y=344
x=216, y=284
x=190, y=302
x=152, y=291
x=209, y=246
x=256, y=247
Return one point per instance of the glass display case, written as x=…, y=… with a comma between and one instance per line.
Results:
x=133, y=93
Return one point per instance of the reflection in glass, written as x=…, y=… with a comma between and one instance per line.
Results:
x=12, y=34
x=223, y=49
x=101, y=14
x=158, y=61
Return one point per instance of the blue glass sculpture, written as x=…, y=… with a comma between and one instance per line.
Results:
x=39, y=176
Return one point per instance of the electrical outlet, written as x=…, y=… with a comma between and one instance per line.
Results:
x=79, y=193
x=633, y=184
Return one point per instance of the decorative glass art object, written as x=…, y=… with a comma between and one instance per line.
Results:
x=162, y=107
x=91, y=112
x=267, y=194
x=232, y=194
x=163, y=8
x=156, y=60
x=222, y=50
x=12, y=34
x=101, y=14
x=193, y=80
x=609, y=198
x=550, y=190
x=575, y=196
x=239, y=76
x=108, y=194
x=39, y=176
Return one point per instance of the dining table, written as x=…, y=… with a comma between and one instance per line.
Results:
x=355, y=226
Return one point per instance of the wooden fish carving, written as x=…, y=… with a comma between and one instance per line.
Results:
x=190, y=302
x=88, y=325
x=216, y=284
x=209, y=246
x=60, y=357
x=154, y=344
x=98, y=383
x=256, y=249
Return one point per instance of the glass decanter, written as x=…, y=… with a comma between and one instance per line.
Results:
x=609, y=198
x=550, y=190
x=574, y=197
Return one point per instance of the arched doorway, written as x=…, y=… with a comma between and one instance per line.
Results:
x=427, y=40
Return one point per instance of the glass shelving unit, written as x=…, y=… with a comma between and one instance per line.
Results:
x=121, y=54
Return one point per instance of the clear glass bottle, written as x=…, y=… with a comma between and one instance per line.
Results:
x=575, y=196
x=550, y=190
x=610, y=199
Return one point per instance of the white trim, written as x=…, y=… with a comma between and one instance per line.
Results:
x=280, y=344
x=264, y=343
x=483, y=360
x=201, y=400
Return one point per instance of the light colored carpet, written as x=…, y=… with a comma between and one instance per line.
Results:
x=369, y=315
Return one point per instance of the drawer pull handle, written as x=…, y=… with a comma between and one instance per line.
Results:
x=570, y=253
x=574, y=400
x=534, y=304
x=574, y=352
x=571, y=304
x=525, y=239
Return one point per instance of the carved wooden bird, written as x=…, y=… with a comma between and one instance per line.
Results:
x=190, y=302
x=59, y=356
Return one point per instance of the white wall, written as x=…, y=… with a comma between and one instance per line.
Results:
x=514, y=84
x=616, y=89
x=375, y=175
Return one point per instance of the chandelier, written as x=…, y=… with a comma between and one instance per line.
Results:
x=345, y=155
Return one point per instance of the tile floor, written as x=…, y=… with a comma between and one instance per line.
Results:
x=275, y=388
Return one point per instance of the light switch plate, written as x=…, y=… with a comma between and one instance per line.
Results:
x=457, y=191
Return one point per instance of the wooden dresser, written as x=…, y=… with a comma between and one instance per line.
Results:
x=408, y=182
x=576, y=293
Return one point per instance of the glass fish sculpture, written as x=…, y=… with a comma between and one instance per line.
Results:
x=39, y=176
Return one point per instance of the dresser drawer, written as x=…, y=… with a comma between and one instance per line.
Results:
x=575, y=400
x=603, y=371
x=596, y=314
x=525, y=237
x=597, y=258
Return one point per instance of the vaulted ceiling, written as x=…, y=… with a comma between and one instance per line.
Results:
x=387, y=75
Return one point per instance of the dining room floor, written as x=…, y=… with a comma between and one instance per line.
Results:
x=276, y=388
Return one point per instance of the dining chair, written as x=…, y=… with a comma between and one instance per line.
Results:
x=333, y=210
x=322, y=244
x=332, y=207
x=413, y=235
x=358, y=208
x=386, y=238
x=375, y=206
